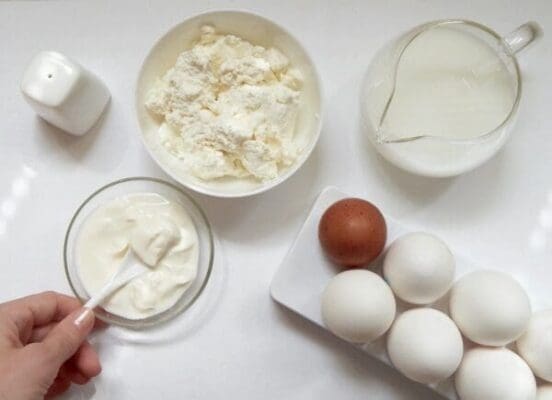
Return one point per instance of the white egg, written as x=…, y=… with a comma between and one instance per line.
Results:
x=425, y=345
x=544, y=392
x=358, y=306
x=535, y=345
x=494, y=374
x=490, y=307
x=419, y=267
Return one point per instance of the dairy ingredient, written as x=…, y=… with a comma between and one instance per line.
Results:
x=450, y=84
x=161, y=234
x=229, y=108
x=462, y=90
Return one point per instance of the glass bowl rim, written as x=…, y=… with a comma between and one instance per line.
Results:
x=153, y=320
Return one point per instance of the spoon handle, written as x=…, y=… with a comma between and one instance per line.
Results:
x=100, y=296
x=108, y=289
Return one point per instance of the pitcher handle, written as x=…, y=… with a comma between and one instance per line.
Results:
x=522, y=36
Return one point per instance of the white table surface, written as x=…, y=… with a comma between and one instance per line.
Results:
x=239, y=343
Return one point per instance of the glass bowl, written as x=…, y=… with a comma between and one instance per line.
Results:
x=136, y=185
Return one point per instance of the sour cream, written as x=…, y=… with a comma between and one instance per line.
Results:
x=162, y=235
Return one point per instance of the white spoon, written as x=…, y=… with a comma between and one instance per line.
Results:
x=130, y=268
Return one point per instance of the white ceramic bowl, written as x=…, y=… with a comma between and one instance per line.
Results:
x=256, y=30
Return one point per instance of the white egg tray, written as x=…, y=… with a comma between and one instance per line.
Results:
x=305, y=272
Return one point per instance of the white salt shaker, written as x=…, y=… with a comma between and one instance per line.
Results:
x=63, y=92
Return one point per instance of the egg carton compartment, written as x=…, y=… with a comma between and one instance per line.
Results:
x=305, y=271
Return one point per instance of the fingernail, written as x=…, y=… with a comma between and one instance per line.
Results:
x=85, y=315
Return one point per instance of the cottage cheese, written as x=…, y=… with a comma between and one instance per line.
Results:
x=229, y=108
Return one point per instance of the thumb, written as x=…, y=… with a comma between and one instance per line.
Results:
x=67, y=336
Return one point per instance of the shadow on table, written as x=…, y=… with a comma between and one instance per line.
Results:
x=78, y=392
x=423, y=191
x=107, y=151
x=358, y=365
x=419, y=190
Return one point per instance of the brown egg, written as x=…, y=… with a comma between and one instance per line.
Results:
x=352, y=232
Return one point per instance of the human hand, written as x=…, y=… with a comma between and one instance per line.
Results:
x=43, y=347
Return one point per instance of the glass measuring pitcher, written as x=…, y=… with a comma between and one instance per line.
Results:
x=442, y=98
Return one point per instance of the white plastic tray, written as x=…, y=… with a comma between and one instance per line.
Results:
x=305, y=271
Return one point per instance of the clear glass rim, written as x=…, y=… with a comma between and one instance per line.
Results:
x=507, y=51
x=166, y=315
